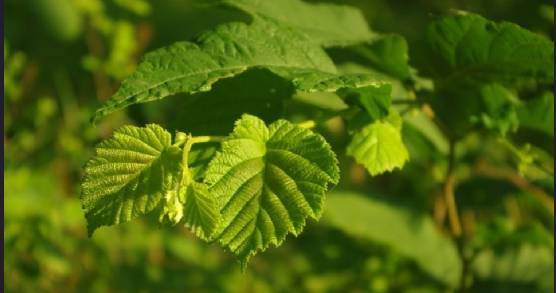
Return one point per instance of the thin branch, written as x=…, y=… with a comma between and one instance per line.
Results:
x=448, y=191
x=204, y=139
x=484, y=169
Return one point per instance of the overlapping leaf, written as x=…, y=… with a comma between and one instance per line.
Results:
x=227, y=51
x=326, y=24
x=408, y=233
x=472, y=47
x=268, y=180
x=138, y=170
x=129, y=175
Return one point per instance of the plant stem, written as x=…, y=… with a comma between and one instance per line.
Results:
x=307, y=124
x=206, y=138
x=453, y=217
x=448, y=191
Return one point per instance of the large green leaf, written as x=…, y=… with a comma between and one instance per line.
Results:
x=227, y=51
x=378, y=147
x=129, y=175
x=326, y=24
x=410, y=234
x=268, y=180
x=472, y=47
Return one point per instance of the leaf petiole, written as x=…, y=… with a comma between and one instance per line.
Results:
x=307, y=124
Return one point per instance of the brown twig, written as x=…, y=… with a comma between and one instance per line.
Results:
x=484, y=169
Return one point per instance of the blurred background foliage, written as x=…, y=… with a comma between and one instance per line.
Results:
x=64, y=57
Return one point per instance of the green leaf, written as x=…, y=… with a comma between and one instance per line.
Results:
x=268, y=180
x=326, y=24
x=378, y=147
x=388, y=54
x=201, y=212
x=408, y=233
x=374, y=100
x=227, y=51
x=128, y=175
x=470, y=46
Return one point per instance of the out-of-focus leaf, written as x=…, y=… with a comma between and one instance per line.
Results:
x=388, y=54
x=326, y=24
x=468, y=46
x=424, y=124
x=411, y=234
x=60, y=18
x=528, y=268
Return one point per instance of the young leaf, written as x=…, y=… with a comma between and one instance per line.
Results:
x=190, y=201
x=378, y=147
x=326, y=24
x=268, y=180
x=128, y=175
x=225, y=52
x=470, y=46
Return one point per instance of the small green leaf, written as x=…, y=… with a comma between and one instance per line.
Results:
x=268, y=180
x=378, y=147
x=128, y=175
